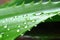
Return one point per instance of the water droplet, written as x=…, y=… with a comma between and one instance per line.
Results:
x=34, y=14
x=25, y=15
x=26, y=26
x=27, y=18
x=5, y=26
x=3, y=22
x=7, y=35
x=15, y=17
x=8, y=29
x=18, y=30
x=43, y=21
x=59, y=13
x=33, y=20
x=22, y=34
x=6, y=19
x=18, y=25
x=28, y=29
x=35, y=25
x=41, y=13
x=51, y=18
x=37, y=14
x=11, y=18
x=0, y=35
x=24, y=22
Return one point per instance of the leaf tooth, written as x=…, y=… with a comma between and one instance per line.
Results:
x=29, y=30
x=51, y=18
x=56, y=2
x=32, y=2
x=42, y=21
x=0, y=35
x=40, y=1
x=18, y=30
x=22, y=34
x=35, y=25
x=50, y=1
x=59, y=13
x=23, y=4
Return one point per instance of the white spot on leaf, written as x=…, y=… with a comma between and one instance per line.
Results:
x=26, y=26
x=0, y=35
x=8, y=29
x=5, y=26
x=7, y=35
x=18, y=25
x=22, y=34
x=18, y=30
x=24, y=22
x=33, y=20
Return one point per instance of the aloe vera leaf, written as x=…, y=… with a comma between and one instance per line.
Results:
x=14, y=22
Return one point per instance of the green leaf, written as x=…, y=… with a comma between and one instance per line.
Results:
x=16, y=20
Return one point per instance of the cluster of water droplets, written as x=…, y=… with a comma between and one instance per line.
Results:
x=0, y=35
x=25, y=20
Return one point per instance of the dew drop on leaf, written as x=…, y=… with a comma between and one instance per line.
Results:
x=37, y=14
x=26, y=26
x=43, y=21
x=18, y=30
x=15, y=17
x=22, y=34
x=27, y=18
x=28, y=29
x=33, y=20
x=24, y=22
x=7, y=35
x=6, y=19
x=3, y=22
x=8, y=29
x=35, y=25
x=0, y=35
x=18, y=25
x=5, y=26
x=25, y=15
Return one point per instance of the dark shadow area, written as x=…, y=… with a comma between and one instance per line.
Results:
x=46, y=28
x=51, y=30
x=46, y=31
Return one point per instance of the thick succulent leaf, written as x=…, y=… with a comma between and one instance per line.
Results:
x=16, y=20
